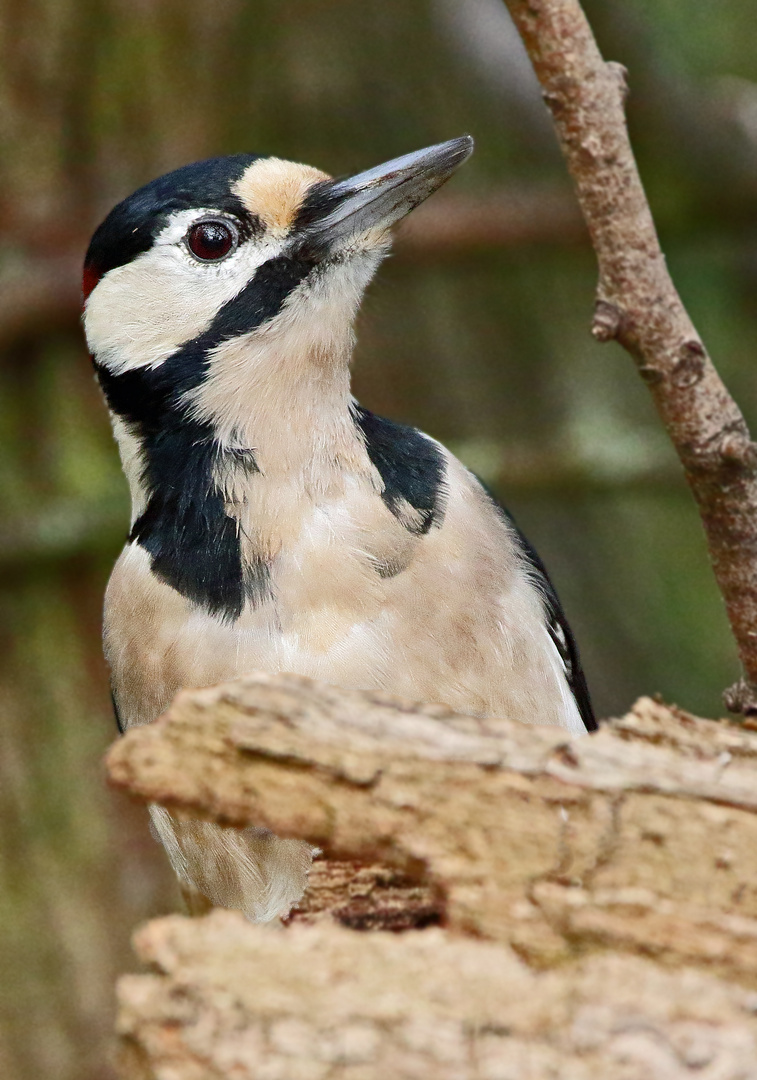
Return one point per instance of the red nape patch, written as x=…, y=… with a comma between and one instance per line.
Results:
x=90, y=278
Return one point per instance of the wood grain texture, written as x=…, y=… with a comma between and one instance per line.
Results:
x=575, y=907
x=550, y=844
x=229, y=1000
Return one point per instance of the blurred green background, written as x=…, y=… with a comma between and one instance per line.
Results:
x=476, y=331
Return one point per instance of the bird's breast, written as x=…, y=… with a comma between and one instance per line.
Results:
x=330, y=569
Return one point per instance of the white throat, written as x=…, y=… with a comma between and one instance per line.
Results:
x=283, y=390
x=281, y=393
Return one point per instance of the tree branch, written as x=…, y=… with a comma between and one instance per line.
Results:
x=638, y=306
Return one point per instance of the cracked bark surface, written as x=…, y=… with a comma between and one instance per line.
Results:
x=638, y=306
x=228, y=999
x=593, y=872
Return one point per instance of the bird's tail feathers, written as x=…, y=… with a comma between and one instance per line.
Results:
x=249, y=870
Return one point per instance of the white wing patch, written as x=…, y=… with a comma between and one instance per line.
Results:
x=571, y=717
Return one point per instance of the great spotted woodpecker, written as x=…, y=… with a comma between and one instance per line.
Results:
x=277, y=524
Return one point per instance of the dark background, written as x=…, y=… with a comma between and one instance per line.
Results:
x=476, y=331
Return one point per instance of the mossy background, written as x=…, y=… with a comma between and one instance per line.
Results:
x=487, y=350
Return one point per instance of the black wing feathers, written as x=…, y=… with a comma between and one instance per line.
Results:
x=557, y=624
x=411, y=465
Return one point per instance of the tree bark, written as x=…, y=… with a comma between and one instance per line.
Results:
x=638, y=306
x=229, y=1001
x=522, y=835
x=595, y=896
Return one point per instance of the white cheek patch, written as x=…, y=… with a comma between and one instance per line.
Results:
x=141, y=313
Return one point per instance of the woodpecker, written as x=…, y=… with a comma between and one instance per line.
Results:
x=278, y=525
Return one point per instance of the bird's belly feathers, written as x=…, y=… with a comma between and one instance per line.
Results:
x=156, y=642
x=456, y=620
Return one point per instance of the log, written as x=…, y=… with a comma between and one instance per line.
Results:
x=229, y=1000
x=582, y=898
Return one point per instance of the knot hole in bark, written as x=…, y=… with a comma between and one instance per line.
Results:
x=607, y=321
x=741, y=698
x=689, y=368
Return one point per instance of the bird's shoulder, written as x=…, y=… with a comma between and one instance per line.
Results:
x=412, y=467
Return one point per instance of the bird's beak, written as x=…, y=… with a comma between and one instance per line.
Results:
x=379, y=197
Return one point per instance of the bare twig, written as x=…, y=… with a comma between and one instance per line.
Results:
x=638, y=306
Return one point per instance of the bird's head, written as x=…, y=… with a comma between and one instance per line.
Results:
x=244, y=247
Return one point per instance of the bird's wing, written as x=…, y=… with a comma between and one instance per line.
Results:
x=119, y=721
x=557, y=624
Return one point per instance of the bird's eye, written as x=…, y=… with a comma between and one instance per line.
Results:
x=210, y=241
